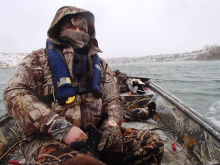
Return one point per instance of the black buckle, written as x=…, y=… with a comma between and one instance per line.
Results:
x=76, y=89
x=81, y=90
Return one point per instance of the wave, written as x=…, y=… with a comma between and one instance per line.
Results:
x=204, y=94
x=217, y=81
x=214, y=120
x=196, y=83
x=2, y=111
x=215, y=107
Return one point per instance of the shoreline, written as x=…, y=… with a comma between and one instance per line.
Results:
x=114, y=61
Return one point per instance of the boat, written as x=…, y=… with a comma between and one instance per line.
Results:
x=188, y=137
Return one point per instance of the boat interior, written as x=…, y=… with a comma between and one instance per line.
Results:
x=188, y=138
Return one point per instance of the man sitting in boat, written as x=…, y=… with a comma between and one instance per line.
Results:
x=62, y=94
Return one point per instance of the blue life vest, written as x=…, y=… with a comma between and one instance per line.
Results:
x=64, y=91
x=96, y=78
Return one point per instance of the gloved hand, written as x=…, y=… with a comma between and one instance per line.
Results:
x=89, y=145
x=111, y=140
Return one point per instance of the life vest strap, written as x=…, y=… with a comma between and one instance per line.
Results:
x=64, y=90
x=51, y=97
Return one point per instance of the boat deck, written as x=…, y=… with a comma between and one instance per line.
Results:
x=177, y=157
x=171, y=157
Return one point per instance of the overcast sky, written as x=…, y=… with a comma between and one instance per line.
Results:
x=124, y=28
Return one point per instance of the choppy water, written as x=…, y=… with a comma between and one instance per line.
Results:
x=5, y=74
x=195, y=83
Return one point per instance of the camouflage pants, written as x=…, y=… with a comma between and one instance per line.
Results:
x=140, y=147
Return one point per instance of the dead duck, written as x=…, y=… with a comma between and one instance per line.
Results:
x=135, y=86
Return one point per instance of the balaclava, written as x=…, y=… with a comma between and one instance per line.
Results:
x=67, y=34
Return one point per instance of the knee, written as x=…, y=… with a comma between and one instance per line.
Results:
x=153, y=148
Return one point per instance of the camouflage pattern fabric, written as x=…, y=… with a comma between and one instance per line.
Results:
x=45, y=150
x=32, y=78
x=140, y=147
x=54, y=29
x=72, y=21
x=111, y=140
x=121, y=79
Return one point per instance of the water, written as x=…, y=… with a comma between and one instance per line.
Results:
x=195, y=83
x=5, y=74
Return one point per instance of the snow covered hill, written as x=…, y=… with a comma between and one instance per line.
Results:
x=206, y=54
x=155, y=58
x=11, y=60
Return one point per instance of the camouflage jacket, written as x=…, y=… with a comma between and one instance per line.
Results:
x=32, y=78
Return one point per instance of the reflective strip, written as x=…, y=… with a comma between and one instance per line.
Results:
x=63, y=80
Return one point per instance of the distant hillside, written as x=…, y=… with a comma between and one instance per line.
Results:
x=211, y=53
x=206, y=54
x=11, y=60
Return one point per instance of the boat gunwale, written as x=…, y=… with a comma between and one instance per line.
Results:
x=4, y=118
x=209, y=126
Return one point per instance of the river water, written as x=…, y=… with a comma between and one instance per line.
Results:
x=195, y=83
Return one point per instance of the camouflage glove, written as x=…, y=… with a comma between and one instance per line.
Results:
x=111, y=140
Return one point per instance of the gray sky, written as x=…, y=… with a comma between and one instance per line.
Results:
x=124, y=28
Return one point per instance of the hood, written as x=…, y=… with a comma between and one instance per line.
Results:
x=53, y=31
